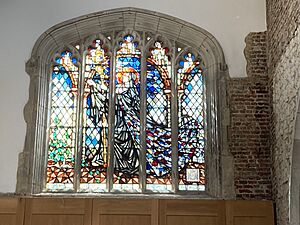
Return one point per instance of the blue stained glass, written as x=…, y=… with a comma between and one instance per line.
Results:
x=152, y=89
x=128, y=38
x=199, y=81
x=58, y=93
x=95, y=116
x=65, y=85
x=74, y=60
x=158, y=133
x=87, y=140
x=69, y=82
x=187, y=100
x=194, y=71
x=127, y=125
x=59, y=76
x=190, y=87
x=61, y=140
x=88, y=102
x=191, y=132
x=94, y=142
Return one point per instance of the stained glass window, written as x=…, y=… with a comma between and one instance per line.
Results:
x=95, y=118
x=127, y=121
x=158, y=123
x=62, y=129
x=97, y=108
x=191, y=138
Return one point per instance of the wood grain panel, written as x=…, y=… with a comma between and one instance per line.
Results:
x=192, y=220
x=249, y=213
x=125, y=219
x=58, y=211
x=124, y=212
x=192, y=212
x=11, y=211
x=74, y=211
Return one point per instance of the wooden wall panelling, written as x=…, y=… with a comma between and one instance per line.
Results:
x=21, y=211
x=75, y=211
x=249, y=212
x=58, y=211
x=125, y=212
x=11, y=211
x=192, y=212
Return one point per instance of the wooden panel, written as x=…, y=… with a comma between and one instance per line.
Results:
x=192, y=212
x=54, y=211
x=124, y=212
x=57, y=220
x=60, y=211
x=249, y=213
x=7, y=219
x=191, y=220
x=11, y=211
x=126, y=219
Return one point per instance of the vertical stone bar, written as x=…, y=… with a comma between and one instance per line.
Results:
x=111, y=122
x=78, y=150
x=174, y=121
x=143, y=117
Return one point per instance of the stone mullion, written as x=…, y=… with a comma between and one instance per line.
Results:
x=174, y=121
x=111, y=122
x=79, y=126
x=143, y=118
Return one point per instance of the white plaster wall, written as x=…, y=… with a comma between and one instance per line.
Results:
x=22, y=22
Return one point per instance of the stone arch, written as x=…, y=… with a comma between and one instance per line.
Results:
x=219, y=160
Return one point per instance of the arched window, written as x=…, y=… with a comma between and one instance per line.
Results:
x=126, y=109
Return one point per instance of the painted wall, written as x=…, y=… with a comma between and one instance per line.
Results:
x=22, y=22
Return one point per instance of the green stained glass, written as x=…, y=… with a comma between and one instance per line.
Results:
x=61, y=139
x=95, y=117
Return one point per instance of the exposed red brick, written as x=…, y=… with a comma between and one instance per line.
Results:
x=249, y=129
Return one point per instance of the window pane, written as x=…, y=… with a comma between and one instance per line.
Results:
x=95, y=118
x=191, y=125
x=127, y=124
x=158, y=124
x=61, y=142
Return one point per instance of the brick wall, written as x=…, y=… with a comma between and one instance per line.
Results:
x=250, y=123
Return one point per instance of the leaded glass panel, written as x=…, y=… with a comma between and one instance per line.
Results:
x=127, y=115
x=95, y=118
x=89, y=153
x=158, y=122
x=191, y=140
x=62, y=129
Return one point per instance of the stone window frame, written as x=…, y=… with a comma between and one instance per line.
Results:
x=219, y=161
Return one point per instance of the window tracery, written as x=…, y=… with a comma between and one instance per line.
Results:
x=80, y=118
x=137, y=67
